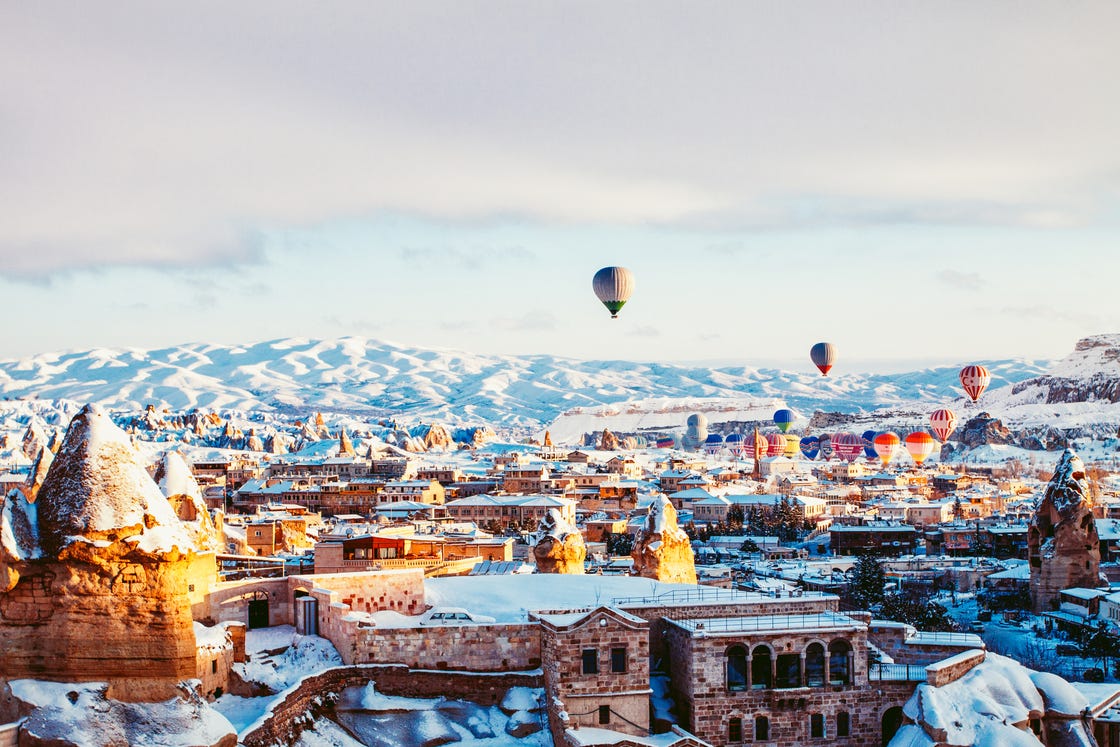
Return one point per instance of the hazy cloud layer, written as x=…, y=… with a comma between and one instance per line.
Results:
x=136, y=132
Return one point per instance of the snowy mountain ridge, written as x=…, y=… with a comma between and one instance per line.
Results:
x=371, y=378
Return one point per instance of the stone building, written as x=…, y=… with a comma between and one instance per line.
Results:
x=1063, y=549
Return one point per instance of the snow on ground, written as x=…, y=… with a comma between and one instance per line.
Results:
x=326, y=734
x=380, y=720
x=240, y=711
x=269, y=639
x=82, y=714
x=511, y=598
x=306, y=655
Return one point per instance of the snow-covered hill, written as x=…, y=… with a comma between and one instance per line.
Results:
x=372, y=378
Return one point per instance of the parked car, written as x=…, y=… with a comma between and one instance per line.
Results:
x=1067, y=649
x=452, y=616
x=984, y=615
x=976, y=627
x=1093, y=675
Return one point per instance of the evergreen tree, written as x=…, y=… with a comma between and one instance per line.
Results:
x=865, y=590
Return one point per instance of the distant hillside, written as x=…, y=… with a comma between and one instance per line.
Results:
x=366, y=377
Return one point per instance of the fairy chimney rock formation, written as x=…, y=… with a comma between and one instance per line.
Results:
x=609, y=441
x=176, y=481
x=345, y=445
x=560, y=548
x=1062, y=545
x=94, y=574
x=662, y=550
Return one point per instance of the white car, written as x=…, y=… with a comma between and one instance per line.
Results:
x=452, y=616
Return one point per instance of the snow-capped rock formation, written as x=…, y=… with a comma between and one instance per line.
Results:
x=662, y=550
x=560, y=547
x=1062, y=544
x=177, y=483
x=992, y=705
x=94, y=574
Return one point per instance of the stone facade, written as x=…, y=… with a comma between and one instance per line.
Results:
x=1062, y=544
x=596, y=663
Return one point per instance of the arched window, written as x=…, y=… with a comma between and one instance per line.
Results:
x=814, y=665
x=788, y=670
x=736, y=668
x=816, y=726
x=839, y=663
x=843, y=724
x=761, y=729
x=735, y=730
x=761, y=676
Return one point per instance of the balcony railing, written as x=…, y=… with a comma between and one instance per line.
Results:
x=896, y=673
x=754, y=623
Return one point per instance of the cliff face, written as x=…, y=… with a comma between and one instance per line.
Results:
x=1091, y=373
x=662, y=550
x=94, y=575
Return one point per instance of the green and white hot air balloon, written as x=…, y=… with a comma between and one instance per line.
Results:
x=613, y=286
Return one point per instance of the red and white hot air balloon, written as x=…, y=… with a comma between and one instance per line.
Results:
x=974, y=380
x=920, y=445
x=775, y=444
x=942, y=422
x=847, y=446
x=886, y=446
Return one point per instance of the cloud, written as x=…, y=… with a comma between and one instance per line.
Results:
x=537, y=321
x=646, y=330
x=167, y=135
x=465, y=259
x=969, y=281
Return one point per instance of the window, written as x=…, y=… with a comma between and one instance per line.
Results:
x=618, y=660
x=213, y=666
x=843, y=724
x=604, y=714
x=839, y=666
x=736, y=669
x=590, y=661
x=789, y=670
x=761, y=729
x=760, y=669
x=814, y=665
x=816, y=726
x=735, y=730
x=256, y=533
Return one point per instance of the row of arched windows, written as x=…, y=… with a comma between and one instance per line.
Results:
x=761, y=669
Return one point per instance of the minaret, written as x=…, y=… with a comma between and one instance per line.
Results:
x=757, y=457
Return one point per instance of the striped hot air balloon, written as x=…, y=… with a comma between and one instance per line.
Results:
x=942, y=422
x=613, y=286
x=823, y=355
x=847, y=446
x=810, y=446
x=886, y=446
x=735, y=443
x=775, y=444
x=920, y=445
x=783, y=419
x=974, y=380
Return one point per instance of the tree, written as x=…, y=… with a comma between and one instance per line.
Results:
x=915, y=606
x=865, y=590
x=748, y=545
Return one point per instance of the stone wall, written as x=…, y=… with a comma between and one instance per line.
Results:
x=953, y=668
x=471, y=648
x=9, y=735
x=625, y=693
x=314, y=695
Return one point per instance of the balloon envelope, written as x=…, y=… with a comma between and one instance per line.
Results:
x=942, y=422
x=869, y=444
x=823, y=355
x=792, y=446
x=920, y=445
x=974, y=380
x=775, y=444
x=847, y=446
x=886, y=446
x=810, y=446
x=613, y=286
x=783, y=419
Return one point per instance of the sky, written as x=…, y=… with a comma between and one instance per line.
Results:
x=910, y=181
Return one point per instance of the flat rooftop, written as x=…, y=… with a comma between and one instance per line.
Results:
x=820, y=621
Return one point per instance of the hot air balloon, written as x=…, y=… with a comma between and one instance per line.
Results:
x=823, y=355
x=613, y=286
x=775, y=444
x=943, y=422
x=920, y=445
x=792, y=446
x=783, y=419
x=735, y=443
x=869, y=444
x=810, y=446
x=886, y=446
x=761, y=445
x=974, y=380
x=847, y=446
